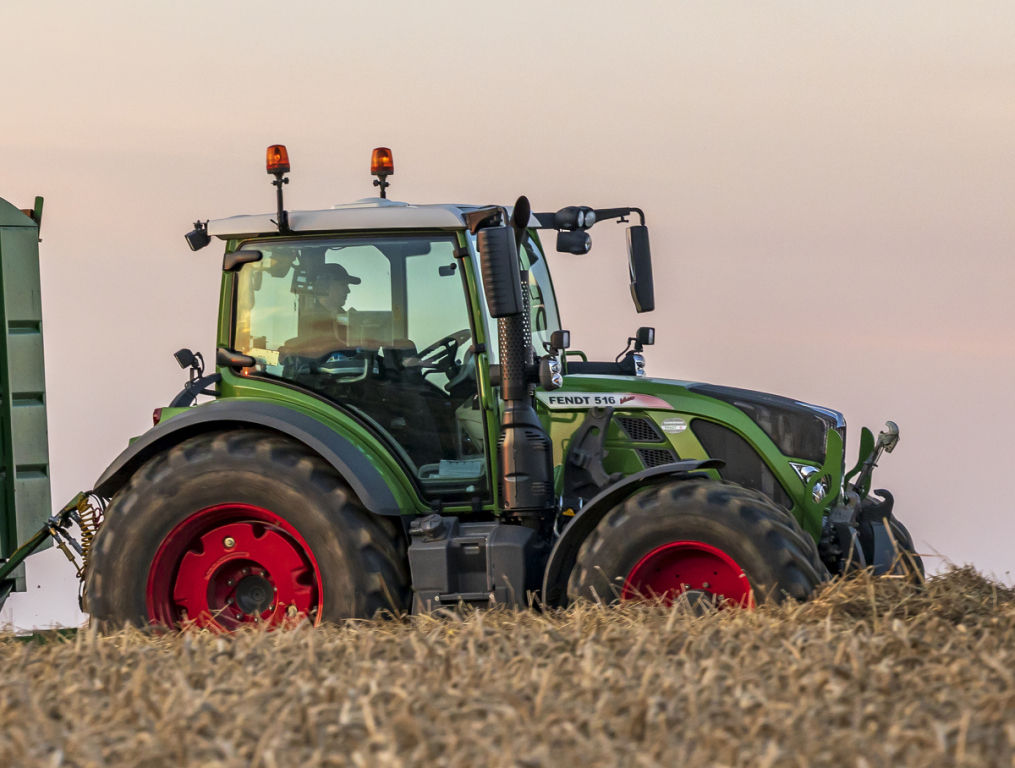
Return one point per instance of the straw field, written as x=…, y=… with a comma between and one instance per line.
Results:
x=871, y=673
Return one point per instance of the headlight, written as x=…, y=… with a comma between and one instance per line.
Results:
x=804, y=471
x=818, y=494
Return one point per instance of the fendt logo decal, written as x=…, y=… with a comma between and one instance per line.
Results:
x=574, y=401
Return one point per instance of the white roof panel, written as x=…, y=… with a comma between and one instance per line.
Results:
x=365, y=214
x=371, y=213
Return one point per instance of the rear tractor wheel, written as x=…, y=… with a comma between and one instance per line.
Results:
x=242, y=528
x=710, y=541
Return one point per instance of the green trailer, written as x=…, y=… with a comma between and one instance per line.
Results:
x=24, y=451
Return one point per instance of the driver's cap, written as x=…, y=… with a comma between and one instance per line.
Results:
x=336, y=272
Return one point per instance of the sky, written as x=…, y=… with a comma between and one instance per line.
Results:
x=829, y=187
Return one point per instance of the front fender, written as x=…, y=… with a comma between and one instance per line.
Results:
x=565, y=552
x=345, y=456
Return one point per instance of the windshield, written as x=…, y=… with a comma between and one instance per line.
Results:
x=542, y=302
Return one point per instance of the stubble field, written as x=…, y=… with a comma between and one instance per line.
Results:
x=870, y=673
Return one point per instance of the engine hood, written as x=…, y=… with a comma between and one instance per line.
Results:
x=799, y=430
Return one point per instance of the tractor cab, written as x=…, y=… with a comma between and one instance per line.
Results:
x=379, y=308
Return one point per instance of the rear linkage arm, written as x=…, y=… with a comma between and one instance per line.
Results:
x=58, y=527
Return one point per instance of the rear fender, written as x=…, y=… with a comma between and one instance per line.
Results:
x=565, y=552
x=345, y=456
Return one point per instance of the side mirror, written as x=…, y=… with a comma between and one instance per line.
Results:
x=640, y=261
x=502, y=277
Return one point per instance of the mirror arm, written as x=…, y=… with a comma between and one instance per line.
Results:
x=546, y=220
x=621, y=214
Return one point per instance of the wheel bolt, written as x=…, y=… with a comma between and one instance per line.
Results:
x=705, y=585
x=291, y=611
x=229, y=601
x=245, y=571
x=228, y=542
x=231, y=582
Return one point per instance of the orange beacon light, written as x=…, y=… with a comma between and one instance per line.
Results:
x=381, y=162
x=382, y=165
x=278, y=165
x=278, y=159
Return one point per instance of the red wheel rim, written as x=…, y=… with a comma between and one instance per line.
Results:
x=688, y=566
x=230, y=566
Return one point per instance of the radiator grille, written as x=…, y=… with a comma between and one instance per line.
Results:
x=744, y=465
x=639, y=430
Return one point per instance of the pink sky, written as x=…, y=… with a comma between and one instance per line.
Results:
x=830, y=191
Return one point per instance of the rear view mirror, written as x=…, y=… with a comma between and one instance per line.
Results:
x=640, y=261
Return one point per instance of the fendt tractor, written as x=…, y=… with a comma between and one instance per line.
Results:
x=396, y=424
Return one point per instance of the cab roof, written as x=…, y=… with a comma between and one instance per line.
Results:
x=369, y=213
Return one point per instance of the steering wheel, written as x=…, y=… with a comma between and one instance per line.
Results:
x=466, y=371
x=442, y=353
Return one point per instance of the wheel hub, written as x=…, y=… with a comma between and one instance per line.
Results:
x=233, y=565
x=699, y=571
x=254, y=595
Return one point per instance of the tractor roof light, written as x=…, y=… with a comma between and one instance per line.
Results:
x=278, y=160
x=198, y=237
x=574, y=217
x=382, y=165
x=278, y=166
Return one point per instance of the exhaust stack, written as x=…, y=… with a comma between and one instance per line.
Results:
x=524, y=451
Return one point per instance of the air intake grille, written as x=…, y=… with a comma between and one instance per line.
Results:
x=655, y=457
x=639, y=430
x=800, y=430
x=744, y=465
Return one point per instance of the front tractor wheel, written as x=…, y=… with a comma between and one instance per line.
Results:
x=242, y=528
x=708, y=540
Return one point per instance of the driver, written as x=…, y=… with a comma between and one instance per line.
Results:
x=324, y=323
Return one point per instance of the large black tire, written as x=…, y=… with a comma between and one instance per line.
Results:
x=779, y=559
x=906, y=562
x=912, y=562
x=360, y=558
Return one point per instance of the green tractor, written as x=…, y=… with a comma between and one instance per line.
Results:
x=397, y=424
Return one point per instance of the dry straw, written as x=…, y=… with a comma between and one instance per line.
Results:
x=870, y=673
